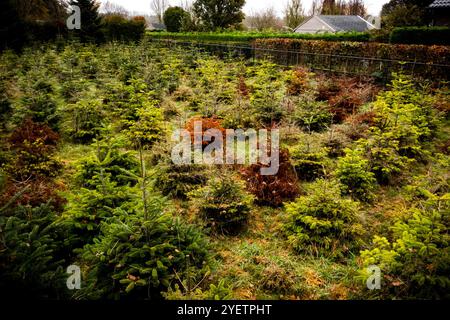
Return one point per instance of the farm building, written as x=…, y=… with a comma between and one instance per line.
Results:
x=333, y=24
x=153, y=24
x=440, y=12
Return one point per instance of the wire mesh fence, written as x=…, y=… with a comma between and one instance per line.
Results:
x=381, y=69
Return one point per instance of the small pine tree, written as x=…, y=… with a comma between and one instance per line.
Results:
x=223, y=204
x=178, y=180
x=105, y=189
x=140, y=258
x=416, y=262
x=323, y=222
x=354, y=174
x=267, y=91
x=39, y=101
x=31, y=260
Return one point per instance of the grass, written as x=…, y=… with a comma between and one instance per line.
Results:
x=260, y=265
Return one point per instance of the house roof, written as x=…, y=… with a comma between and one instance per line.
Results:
x=158, y=26
x=341, y=23
x=440, y=4
x=346, y=23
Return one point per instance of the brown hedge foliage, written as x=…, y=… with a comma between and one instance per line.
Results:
x=272, y=190
x=320, y=50
x=430, y=54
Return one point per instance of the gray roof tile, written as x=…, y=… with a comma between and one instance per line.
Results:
x=440, y=4
x=345, y=23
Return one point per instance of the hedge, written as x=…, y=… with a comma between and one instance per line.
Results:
x=422, y=53
x=250, y=36
x=116, y=27
x=44, y=31
x=409, y=35
x=360, y=58
x=421, y=35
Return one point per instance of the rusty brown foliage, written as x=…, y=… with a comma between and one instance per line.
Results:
x=31, y=168
x=207, y=123
x=33, y=193
x=243, y=88
x=273, y=190
x=345, y=95
x=34, y=138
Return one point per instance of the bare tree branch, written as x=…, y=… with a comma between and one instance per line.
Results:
x=158, y=7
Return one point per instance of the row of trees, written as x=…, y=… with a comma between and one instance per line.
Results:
x=204, y=15
x=295, y=14
x=340, y=7
x=24, y=21
x=20, y=16
x=400, y=13
x=210, y=15
x=43, y=20
x=215, y=14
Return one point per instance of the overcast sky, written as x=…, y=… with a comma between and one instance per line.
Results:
x=143, y=6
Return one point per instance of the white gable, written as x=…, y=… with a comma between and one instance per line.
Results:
x=313, y=25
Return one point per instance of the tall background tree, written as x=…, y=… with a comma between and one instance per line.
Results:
x=175, y=18
x=11, y=27
x=90, y=20
x=30, y=10
x=158, y=8
x=340, y=7
x=316, y=7
x=398, y=13
x=266, y=19
x=219, y=14
x=23, y=20
x=109, y=8
x=333, y=7
x=356, y=8
x=42, y=10
x=294, y=13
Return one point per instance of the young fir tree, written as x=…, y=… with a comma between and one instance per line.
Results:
x=32, y=256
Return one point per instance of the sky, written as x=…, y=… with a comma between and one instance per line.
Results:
x=143, y=6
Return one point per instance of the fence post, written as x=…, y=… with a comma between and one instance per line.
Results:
x=414, y=67
x=253, y=55
x=286, y=59
x=329, y=62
